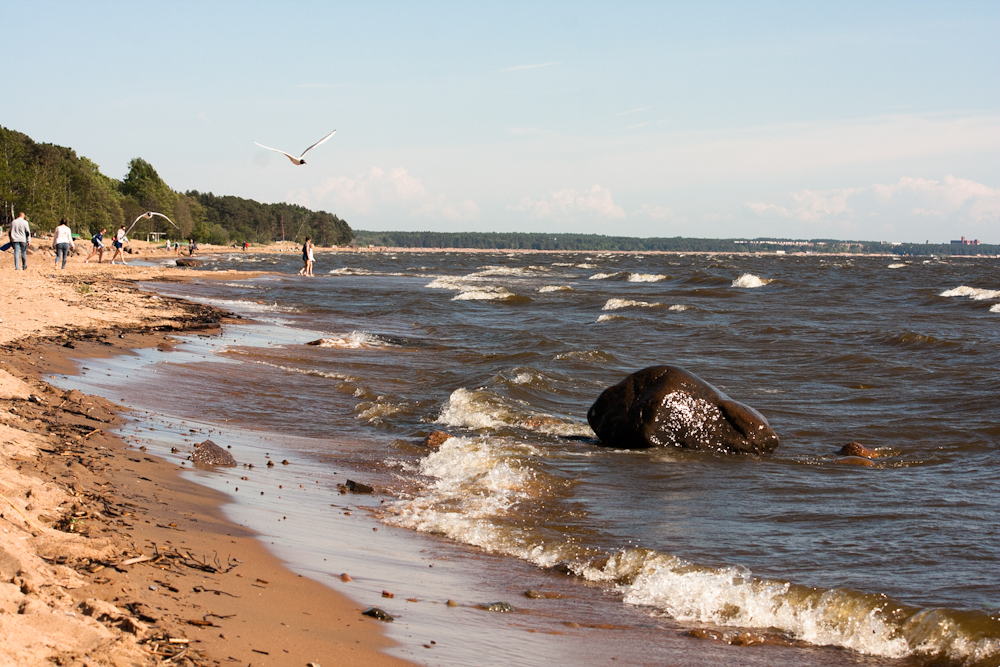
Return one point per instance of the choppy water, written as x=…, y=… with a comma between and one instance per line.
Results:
x=900, y=560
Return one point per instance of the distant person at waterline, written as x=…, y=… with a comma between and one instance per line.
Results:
x=307, y=258
x=20, y=239
x=63, y=243
x=119, y=244
x=97, y=240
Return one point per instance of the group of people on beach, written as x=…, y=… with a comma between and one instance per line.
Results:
x=62, y=242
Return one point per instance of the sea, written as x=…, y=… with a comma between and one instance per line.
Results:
x=604, y=556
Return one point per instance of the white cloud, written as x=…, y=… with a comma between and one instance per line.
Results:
x=952, y=199
x=562, y=204
x=656, y=212
x=535, y=66
x=381, y=192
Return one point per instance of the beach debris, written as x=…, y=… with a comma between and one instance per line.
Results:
x=379, y=614
x=346, y=577
x=285, y=462
x=501, y=607
x=387, y=594
x=270, y=464
x=451, y=603
x=355, y=487
x=436, y=439
x=210, y=454
x=542, y=595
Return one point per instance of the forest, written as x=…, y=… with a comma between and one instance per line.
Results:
x=598, y=243
x=49, y=182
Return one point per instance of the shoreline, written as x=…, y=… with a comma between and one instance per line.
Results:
x=106, y=553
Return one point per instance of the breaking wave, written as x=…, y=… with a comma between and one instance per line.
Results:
x=646, y=277
x=749, y=280
x=974, y=293
x=618, y=304
x=555, y=288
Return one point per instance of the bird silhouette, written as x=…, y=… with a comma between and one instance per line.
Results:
x=149, y=216
x=298, y=160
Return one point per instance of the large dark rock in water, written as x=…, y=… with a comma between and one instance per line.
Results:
x=666, y=406
x=193, y=263
x=210, y=454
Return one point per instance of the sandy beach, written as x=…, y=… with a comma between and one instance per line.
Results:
x=107, y=556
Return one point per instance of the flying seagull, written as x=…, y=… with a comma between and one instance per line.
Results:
x=149, y=216
x=298, y=160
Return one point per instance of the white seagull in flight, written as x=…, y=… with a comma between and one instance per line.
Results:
x=298, y=160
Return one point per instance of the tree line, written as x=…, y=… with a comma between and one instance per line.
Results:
x=51, y=182
x=599, y=243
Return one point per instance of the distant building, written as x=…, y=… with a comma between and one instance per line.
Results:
x=965, y=241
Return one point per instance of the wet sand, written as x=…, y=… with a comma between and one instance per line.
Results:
x=108, y=556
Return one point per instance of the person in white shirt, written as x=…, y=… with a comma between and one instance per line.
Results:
x=20, y=239
x=62, y=242
x=119, y=243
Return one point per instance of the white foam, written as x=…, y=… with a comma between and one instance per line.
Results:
x=356, y=340
x=483, y=410
x=508, y=271
x=610, y=318
x=484, y=293
x=898, y=266
x=749, y=280
x=995, y=308
x=555, y=288
x=604, y=276
x=974, y=293
x=618, y=304
x=646, y=277
x=375, y=411
x=585, y=266
x=351, y=271
x=679, y=307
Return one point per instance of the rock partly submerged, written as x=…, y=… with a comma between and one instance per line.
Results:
x=210, y=454
x=668, y=406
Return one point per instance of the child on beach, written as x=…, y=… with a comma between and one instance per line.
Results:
x=62, y=242
x=119, y=243
x=98, y=242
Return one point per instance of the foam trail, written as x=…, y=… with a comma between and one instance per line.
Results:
x=618, y=304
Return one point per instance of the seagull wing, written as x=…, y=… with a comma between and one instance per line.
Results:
x=316, y=144
x=152, y=213
x=290, y=157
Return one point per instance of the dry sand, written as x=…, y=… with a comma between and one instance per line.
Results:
x=107, y=556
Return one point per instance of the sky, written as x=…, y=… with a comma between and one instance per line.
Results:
x=866, y=120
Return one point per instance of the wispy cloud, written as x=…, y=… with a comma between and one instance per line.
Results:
x=317, y=85
x=386, y=193
x=637, y=126
x=955, y=199
x=562, y=204
x=631, y=111
x=535, y=66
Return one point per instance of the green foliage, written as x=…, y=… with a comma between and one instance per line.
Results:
x=50, y=182
x=247, y=220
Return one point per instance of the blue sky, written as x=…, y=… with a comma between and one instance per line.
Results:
x=866, y=120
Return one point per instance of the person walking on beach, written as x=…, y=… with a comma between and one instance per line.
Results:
x=98, y=242
x=192, y=246
x=63, y=242
x=119, y=244
x=20, y=239
x=177, y=247
x=307, y=258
